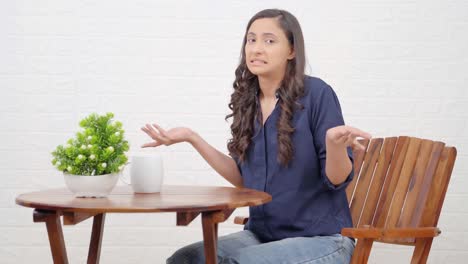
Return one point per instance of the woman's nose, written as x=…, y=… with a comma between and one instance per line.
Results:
x=258, y=47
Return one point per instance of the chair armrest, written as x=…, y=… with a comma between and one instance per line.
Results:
x=362, y=232
x=241, y=220
x=379, y=233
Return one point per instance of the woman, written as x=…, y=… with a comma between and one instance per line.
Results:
x=288, y=139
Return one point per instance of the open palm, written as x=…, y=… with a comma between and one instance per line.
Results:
x=163, y=137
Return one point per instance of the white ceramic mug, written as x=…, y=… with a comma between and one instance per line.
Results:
x=146, y=173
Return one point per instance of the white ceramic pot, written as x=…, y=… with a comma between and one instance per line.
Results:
x=91, y=186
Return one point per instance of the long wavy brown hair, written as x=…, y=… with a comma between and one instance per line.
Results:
x=243, y=99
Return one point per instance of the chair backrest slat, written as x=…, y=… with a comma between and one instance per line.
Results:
x=365, y=178
x=435, y=200
x=401, y=189
x=400, y=182
x=375, y=189
x=358, y=159
x=421, y=179
x=390, y=183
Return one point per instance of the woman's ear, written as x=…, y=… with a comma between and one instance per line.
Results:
x=292, y=54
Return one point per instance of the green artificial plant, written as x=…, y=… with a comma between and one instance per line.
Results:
x=96, y=150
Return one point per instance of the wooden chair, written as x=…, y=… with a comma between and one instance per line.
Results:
x=397, y=194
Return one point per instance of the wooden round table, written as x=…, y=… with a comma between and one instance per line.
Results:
x=215, y=204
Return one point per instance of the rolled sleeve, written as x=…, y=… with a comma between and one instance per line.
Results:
x=344, y=184
x=325, y=114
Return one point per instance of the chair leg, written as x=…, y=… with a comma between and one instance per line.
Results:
x=421, y=250
x=362, y=251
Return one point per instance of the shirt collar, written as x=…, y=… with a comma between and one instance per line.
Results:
x=257, y=92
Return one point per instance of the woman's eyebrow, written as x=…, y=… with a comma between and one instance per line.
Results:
x=268, y=34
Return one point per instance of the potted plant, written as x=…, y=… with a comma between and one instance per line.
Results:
x=93, y=161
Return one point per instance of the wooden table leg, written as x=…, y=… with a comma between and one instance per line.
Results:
x=94, y=252
x=210, y=237
x=54, y=230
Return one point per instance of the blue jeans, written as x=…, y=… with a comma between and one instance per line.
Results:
x=244, y=247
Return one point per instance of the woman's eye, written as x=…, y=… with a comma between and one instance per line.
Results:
x=250, y=40
x=269, y=41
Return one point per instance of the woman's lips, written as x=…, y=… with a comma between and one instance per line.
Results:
x=257, y=62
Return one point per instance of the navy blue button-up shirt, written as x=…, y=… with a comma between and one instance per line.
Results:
x=305, y=203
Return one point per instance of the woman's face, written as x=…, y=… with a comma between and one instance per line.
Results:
x=267, y=49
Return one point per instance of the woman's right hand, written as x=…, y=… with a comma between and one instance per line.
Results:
x=220, y=162
x=163, y=137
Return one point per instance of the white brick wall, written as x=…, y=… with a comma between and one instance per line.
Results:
x=399, y=67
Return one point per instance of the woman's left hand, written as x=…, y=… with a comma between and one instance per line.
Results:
x=346, y=136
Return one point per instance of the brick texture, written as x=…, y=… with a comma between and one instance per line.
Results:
x=398, y=67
